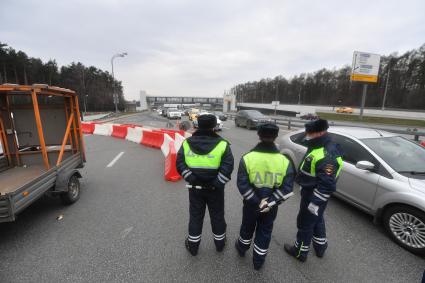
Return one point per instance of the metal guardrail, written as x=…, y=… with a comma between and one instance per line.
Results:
x=290, y=123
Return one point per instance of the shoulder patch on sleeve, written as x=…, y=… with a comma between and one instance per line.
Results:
x=329, y=169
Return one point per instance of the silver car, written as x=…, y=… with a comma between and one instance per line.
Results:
x=383, y=174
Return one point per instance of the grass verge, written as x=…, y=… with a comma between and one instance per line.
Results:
x=371, y=119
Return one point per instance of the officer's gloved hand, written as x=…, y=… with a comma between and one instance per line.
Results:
x=313, y=208
x=264, y=206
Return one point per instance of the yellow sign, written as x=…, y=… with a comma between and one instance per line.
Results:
x=364, y=78
x=365, y=67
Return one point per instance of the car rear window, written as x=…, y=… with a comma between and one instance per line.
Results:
x=255, y=114
x=298, y=138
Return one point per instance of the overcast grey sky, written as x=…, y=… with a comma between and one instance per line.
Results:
x=195, y=47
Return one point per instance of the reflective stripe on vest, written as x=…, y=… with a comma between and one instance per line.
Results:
x=311, y=160
x=266, y=170
x=210, y=160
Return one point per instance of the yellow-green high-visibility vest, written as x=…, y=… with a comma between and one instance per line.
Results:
x=266, y=170
x=211, y=160
x=311, y=160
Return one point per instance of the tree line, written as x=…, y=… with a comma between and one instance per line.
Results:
x=402, y=75
x=93, y=86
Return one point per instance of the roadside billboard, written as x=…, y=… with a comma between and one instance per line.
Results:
x=365, y=67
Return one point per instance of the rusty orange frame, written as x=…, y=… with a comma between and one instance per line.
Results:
x=72, y=117
x=40, y=129
x=65, y=138
x=4, y=143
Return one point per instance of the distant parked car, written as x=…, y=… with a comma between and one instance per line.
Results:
x=174, y=113
x=221, y=116
x=383, y=175
x=309, y=116
x=348, y=110
x=219, y=126
x=250, y=119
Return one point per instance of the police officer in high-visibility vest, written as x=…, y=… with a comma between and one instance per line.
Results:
x=317, y=177
x=265, y=179
x=205, y=161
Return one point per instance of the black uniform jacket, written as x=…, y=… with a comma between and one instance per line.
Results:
x=202, y=142
x=253, y=195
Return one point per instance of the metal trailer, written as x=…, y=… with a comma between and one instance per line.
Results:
x=42, y=146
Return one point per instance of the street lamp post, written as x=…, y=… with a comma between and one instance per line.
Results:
x=115, y=96
x=299, y=96
x=386, y=89
x=392, y=63
x=85, y=104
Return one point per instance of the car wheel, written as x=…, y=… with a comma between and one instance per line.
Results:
x=249, y=125
x=73, y=193
x=406, y=226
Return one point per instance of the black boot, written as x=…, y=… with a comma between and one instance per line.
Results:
x=292, y=251
x=219, y=245
x=258, y=265
x=192, y=250
x=241, y=252
x=320, y=251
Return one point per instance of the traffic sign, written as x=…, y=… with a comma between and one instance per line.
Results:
x=365, y=67
x=275, y=103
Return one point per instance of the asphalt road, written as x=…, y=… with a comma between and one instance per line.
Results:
x=389, y=112
x=130, y=225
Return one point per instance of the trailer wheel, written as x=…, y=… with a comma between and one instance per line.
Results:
x=73, y=193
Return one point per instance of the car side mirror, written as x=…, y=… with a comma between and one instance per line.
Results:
x=365, y=165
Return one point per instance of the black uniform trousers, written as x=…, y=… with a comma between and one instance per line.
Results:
x=198, y=201
x=310, y=227
x=262, y=225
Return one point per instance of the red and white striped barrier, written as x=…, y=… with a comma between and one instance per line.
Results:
x=171, y=132
x=168, y=140
x=165, y=147
x=153, y=139
x=131, y=125
x=135, y=135
x=423, y=143
x=170, y=169
x=178, y=141
x=87, y=128
x=103, y=129
x=119, y=131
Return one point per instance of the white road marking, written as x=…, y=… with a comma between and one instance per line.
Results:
x=115, y=159
x=125, y=232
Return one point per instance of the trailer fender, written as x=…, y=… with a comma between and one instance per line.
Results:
x=63, y=179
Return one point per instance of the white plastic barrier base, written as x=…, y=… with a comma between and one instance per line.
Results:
x=103, y=129
x=134, y=134
x=178, y=141
x=165, y=147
